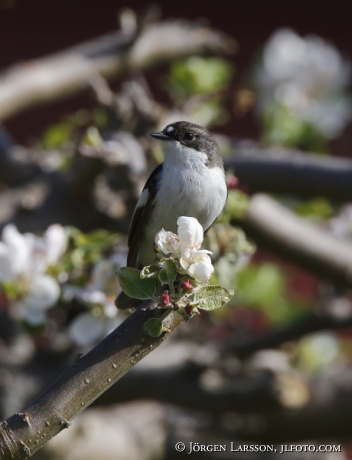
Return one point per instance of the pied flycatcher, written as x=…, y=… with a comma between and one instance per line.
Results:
x=190, y=182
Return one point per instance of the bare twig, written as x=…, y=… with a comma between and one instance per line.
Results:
x=26, y=431
x=274, y=227
x=294, y=172
x=68, y=72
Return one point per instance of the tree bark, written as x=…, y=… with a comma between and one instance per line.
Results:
x=25, y=432
x=276, y=228
x=303, y=174
x=50, y=78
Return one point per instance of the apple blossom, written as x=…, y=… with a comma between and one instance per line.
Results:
x=190, y=232
x=56, y=242
x=186, y=247
x=24, y=260
x=294, y=73
x=101, y=318
x=85, y=329
x=180, y=253
x=43, y=292
x=15, y=254
x=167, y=242
x=201, y=267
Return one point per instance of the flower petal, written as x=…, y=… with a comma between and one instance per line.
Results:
x=88, y=294
x=18, y=247
x=37, y=247
x=86, y=329
x=201, y=271
x=167, y=242
x=56, y=243
x=6, y=272
x=190, y=232
x=32, y=316
x=189, y=256
x=42, y=294
x=110, y=309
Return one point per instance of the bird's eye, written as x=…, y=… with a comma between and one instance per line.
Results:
x=188, y=136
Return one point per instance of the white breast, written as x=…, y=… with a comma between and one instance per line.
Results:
x=188, y=188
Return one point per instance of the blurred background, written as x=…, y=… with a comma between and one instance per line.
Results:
x=82, y=84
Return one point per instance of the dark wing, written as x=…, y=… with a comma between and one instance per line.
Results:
x=141, y=215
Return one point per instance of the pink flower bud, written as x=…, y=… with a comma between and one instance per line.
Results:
x=165, y=299
x=232, y=182
x=187, y=286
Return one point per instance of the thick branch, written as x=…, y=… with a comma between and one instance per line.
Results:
x=310, y=323
x=46, y=79
x=25, y=432
x=182, y=386
x=330, y=420
x=274, y=227
x=294, y=172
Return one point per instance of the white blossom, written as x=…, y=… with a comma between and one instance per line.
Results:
x=96, y=292
x=6, y=269
x=102, y=316
x=85, y=329
x=309, y=77
x=56, y=243
x=24, y=260
x=43, y=293
x=167, y=242
x=186, y=247
x=15, y=254
x=190, y=232
x=201, y=268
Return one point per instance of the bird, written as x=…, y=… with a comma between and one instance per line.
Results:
x=190, y=182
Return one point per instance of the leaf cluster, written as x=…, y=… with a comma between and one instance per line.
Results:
x=164, y=282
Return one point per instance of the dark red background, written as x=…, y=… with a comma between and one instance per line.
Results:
x=34, y=28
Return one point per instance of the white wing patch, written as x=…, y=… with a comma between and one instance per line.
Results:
x=143, y=199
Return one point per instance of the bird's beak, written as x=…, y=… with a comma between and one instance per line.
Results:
x=161, y=136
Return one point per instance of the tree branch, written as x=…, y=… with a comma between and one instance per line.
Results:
x=294, y=172
x=327, y=416
x=182, y=386
x=314, y=321
x=16, y=167
x=25, y=432
x=68, y=72
x=276, y=228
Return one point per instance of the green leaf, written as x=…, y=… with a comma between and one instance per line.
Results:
x=151, y=271
x=10, y=289
x=282, y=126
x=168, y=273
x=153, y=327
x=212, y=297
x=56, y=135
x=317, y=209
x=236, y=206
x=134, y=286
x=197, y=75
x=264, y=287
